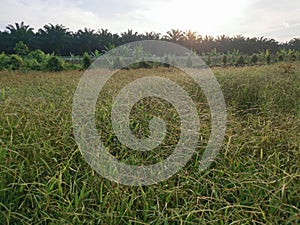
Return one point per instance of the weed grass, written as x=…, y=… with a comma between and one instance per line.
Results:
x=254, y=180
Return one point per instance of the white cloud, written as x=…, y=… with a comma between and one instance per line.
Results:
x=277, y=19
x=38, y=13
x=231, y=17
x=285, y=24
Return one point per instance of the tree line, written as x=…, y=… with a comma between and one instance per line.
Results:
x=59, y=40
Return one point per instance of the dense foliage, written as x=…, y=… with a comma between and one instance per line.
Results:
x=60, y=40
x=54, y=48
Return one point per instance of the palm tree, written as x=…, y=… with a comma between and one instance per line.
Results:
x=86, y=32
x=262, y=39
x=190, y=35
x=208, y=38
x=207, y=43
x=104, y=32
x=19, y=32
x=4, y=41
x=130, y=36
x=151, y=36
x=19, y=27
x=191, y=39
x=223, y=43
x=54, y=38
x=106, y=38
x=295, y=43
x=174, y=35
x=223, y=38
x=87, y=40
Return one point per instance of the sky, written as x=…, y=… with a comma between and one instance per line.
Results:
x=278, y=19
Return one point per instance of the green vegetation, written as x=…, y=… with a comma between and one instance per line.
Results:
x=59, y=40
x=21, y=51
x=240, y=61
x=254, y=180
x=38, y=55
x=32, y=64
x=208, y=62
x=15, y=62
x=21, y=48
x=86, y=62
x=254, y=59
x=54, y=64
x=280, y=58
x=4, y=61
x=39, y=61
x=268, y=57
x=224, y=60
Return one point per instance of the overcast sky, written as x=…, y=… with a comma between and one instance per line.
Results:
x=279, y=19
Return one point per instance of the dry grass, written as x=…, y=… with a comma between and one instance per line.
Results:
x=254, y=180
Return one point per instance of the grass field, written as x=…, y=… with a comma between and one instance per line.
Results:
x=254, y=180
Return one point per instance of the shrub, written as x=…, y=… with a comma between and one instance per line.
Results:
x=4, y=61
x=208, y=62
x=32, y=64
x=254, y=59
x=144, y=64
x=280, y=58
x=117, y=64
x=138, y=65
x=156, y=64
x=21, y=48
x=224, y=60
x=268, y=57
x=72, y=66
x=189, y=62
x=293, y=57
x=167, y=62
x=240, y=61
x=55, y=63
x=39, y=55
x=97, y=53
x=15, y=62
x=86, y=62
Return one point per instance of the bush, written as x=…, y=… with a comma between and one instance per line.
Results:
x=254, y=59
x=167, y=62
x=54, y=64
x=39, y=55
x=240, y=61
x=224, y=60
x=21, y=48
x=32, y=64
x=138, y=65
x=293, y=58
x=144, y=64
x=72, y=66
x=280, y=58
x=208, y=62
x=117, y=64
x=4, y=61
x=268, y=57
x=189, y=62
x=15, y=62
x=86, y=62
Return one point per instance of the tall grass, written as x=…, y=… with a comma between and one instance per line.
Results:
x=254, y=180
